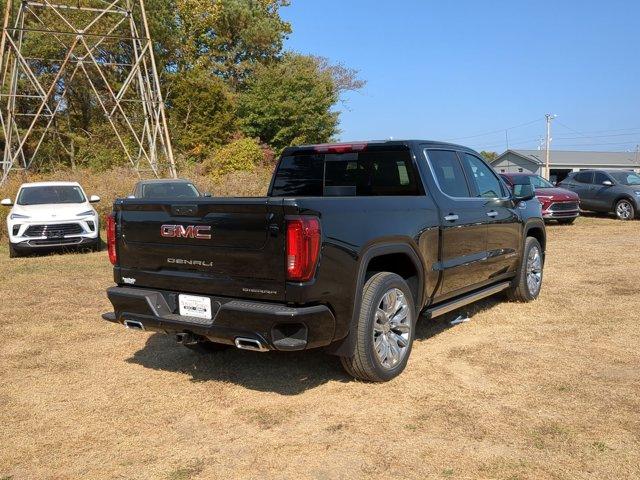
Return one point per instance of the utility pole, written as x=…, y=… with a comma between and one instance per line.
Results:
x=547, y=169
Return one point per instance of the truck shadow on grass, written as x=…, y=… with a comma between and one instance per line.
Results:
x=285, y=373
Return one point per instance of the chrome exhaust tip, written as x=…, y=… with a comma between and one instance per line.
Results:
x=250, y=344
x=133, y=325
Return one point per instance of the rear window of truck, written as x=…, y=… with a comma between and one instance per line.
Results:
x=366, y=173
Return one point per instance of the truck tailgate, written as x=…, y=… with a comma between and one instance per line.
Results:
x=228, y=247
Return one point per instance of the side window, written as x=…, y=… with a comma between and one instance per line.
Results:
x=449, y=173
x=584, y=177
x=485, y=180
x=599, y=177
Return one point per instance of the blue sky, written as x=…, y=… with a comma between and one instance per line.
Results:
x=453, y=70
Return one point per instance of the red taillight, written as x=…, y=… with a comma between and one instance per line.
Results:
x=303, y=248
x=111, y=239
x=341, y=148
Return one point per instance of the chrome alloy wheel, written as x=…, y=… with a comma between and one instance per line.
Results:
x=534, y=271
x=624, y=209
x=392, y=328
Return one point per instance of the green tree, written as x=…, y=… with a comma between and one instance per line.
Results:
x=201, y=112
x=230, y=37
x=291, y=101
x=242, y=154
x=489, y=156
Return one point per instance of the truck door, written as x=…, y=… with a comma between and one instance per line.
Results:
x=581, y=186
x=504, y=228
x=599, y=194
x=463, y=224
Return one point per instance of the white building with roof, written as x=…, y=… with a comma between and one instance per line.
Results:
x=563, y=162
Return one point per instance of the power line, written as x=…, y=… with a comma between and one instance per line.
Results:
x=517, y=142
x=497, y=131
x=599, y=136
x=631, y=142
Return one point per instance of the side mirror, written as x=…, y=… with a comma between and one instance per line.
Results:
x=207, y=194
x=94, y=199
x=6, y=202
x=523, y=192
x=607, y=183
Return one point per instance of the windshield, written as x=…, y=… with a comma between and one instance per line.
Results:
x=51, y=194
x=626, y=178
x=538, y=182
x=169, y=190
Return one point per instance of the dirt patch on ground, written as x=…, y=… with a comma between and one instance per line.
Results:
x=543, y=390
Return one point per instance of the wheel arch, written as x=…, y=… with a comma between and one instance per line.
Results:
x=536, y=230
x=622, y=196
x=395, y=257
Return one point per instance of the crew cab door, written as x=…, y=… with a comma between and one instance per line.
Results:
x=463, y=223
x=503, y=223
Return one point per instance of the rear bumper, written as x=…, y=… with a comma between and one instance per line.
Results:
x=277, y=326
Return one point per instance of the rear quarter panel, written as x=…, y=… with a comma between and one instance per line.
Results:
x=350, y=227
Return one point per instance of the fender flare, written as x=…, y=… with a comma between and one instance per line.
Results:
x=537, y=223
x=346, y=346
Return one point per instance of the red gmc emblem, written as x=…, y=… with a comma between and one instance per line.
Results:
x=201, y=232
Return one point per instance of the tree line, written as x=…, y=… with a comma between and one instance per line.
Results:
x=228, y=81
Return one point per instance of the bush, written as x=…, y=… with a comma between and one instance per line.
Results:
x=242, y=155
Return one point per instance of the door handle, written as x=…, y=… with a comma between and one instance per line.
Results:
x=451, y=217
x=492, y=214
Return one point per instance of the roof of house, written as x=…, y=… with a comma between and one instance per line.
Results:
x=583, y=159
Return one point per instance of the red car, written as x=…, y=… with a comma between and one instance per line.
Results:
x=557, y=203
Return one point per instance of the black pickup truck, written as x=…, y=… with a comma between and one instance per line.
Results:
x=352, y=243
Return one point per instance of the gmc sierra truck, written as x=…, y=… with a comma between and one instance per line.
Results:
x=351, y=245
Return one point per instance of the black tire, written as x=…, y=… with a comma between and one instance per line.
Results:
x=520, y=290
x=624, y=209
x=205, y=347
x=365, y=364
x=97, y=246
x=566, y=221
x=13, y=253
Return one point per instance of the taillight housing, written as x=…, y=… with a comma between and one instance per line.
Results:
x=303, y=248
x=111, y=239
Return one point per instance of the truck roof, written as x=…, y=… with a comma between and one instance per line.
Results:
x=362, y=144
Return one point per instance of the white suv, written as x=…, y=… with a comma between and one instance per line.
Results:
x=49, y=215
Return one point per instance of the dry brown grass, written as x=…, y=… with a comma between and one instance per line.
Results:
x=549, y=389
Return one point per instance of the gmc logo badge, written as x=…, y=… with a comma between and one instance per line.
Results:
x=201, y=232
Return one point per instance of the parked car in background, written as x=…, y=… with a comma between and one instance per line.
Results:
x=607, y=191
x=557, y=203
x=51, y=215
x=166, y=188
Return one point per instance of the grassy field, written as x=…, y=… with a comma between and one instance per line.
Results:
x=549, y=389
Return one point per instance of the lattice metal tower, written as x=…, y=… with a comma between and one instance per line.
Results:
x=99, y=48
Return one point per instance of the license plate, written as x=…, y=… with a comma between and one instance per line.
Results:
x=192, y=306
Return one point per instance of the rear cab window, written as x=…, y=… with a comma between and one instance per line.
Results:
x=369, y=172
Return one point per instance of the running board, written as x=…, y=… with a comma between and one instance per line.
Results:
x=446, y=307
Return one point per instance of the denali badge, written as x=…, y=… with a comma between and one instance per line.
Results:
x=201, y=232
x=182, y=261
